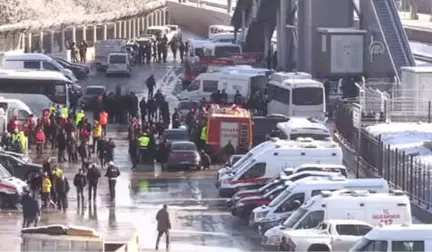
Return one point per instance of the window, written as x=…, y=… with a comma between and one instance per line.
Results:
x=311, y=220
x=195, y=85
x=289, y=205
x=278, y=94
x=256, y=171
x=222, y=51
x=300, y=177
x=22, y=114
x=183, y=147
x=294, y=218
x=117, y=59
x=32, y=65
x=370, y=246
x=402, y=246
x=308, y=96
x=354, y=230
x=49, y=66
x=210, y=86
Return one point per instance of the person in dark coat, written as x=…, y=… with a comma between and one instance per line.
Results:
x=163, y=225
x=205, y=160
x=80, y=182
x=286, y=245
x=61, y=145
x=93, y=176
x=143, y=109
x=62, y=189
x=112, y=173
x=151, y=83
x=31, y=210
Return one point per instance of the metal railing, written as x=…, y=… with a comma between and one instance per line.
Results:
x=377, y=159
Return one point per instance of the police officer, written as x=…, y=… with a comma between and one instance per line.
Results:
x=203, y=136
x=112, y=173
x=144, y=142
x=79, y=117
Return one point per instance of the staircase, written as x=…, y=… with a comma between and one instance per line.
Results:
x=394, y=34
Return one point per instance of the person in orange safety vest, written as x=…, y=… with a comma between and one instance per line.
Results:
x=103, y=120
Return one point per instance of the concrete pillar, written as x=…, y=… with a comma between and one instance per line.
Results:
x=278, y=34
x=84, y=33
x=125, y=29
x=105, y=31
x=73, y=34
x=266, y=39
x=134, y=28
x=52, y=41
x=138, y=26
x=29, y=42
x=41, y=35
x=229, y=4
x=283, y=18
x=94, y=33
x=148, y=21
x=129, y=25
x=163, y=17
x=62, y=38
x=414, y=10
x=115, y=31
x=243, y=21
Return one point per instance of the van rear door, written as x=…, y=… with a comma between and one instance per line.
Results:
x=389, y=214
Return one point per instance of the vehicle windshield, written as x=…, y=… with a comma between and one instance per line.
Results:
x=280, y=198
x=94, y=91
x=259, y=82
x=245, y=166
x=173, y=28
x=365, y=245
x=222, y=51
x=242, y=160
x=318, y=137
x=176, y=135
x=4, y=173
x=294, y=218
x=57, y=65
x=272, y=193
x=183, y=147
x=307, y=96
x=117, y=59
x=155, y=32
x=271, y=185
x=187, y=105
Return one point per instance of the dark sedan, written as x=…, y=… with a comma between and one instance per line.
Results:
x=183, y=154
x=19, y=168
x=79, y=70
x=173, y=135
x=89, y=95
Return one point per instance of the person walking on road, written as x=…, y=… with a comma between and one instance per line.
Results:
x=93, y=176
x=163, y=225
x=62, y=189
x=112, y=173
x=151, y=83
x=80, y=182
x=31, y=210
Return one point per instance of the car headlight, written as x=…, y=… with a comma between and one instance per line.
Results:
x=235, y=198
x=240, y=204
x=261, y=215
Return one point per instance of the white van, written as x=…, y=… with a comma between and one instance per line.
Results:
x=245, y=69
x=35, y=61
x=267, y=165
x=103, y=48
x=279, y=77
x=297, y=127
x=301, y=191
x=271, y=144
x=318, y=167
x=373, y=208
x=395, y=238
x=207, y=83
x=215, y=29
x=220, y=49
x=224, y=37
x=118, y=63
x=159, y=31
x=15, y=107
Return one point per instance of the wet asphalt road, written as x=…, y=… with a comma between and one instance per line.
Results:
x=199, y=219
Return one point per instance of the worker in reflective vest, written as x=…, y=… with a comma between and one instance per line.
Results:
x=52, y=109
x=97, y=135
x=79, y=117
x=103, y=120
x=203, y=137
x=65, y=112
x=144, y=142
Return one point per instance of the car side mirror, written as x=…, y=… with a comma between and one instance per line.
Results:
x=296, y=204
x=227, y=164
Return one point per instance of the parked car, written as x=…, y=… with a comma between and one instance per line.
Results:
x=79, y=70
x=11, y=189
x=18, y=167
x=183, y=154
x=173, y=135
x=89, y=94
x=185, y=106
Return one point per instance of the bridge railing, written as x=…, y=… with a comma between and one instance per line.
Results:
x=54, y=37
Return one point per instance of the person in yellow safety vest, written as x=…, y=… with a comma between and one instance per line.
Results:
x=46, y=190
x=203, y=137
x=65, y=112
x=79, y=117
x=14, y=136
x=53, y=110
x=144, y=141
x=97, y=134
x=23, y=141
x=58, y=172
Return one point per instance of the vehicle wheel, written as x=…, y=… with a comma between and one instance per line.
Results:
x=247, y=215
x=318, y=248
x=3, y=201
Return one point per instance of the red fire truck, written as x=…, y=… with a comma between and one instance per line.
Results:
x=229, y=124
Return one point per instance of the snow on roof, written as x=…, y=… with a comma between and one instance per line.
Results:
x=79, y=19
x=408, y=137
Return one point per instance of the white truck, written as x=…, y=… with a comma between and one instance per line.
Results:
x=71, y=238
x=104, y=47
x=352, y=204
x=330, y=235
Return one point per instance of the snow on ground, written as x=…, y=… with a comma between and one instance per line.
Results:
x=408, y=137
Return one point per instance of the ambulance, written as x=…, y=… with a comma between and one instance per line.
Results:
x=373, y=208
x=282, y=207
x=395, y=238
x=267, y=165
x=228, y=125
x=297, y=127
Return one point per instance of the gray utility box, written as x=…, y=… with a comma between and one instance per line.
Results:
x=339, y=52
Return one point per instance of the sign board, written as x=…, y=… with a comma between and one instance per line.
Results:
x=356, y=115
x=375, y=48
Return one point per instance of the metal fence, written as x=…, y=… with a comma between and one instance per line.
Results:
x=403, y=171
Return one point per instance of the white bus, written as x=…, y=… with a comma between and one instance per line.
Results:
x=37, y=89
x=297, y=97
x=215, y=29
